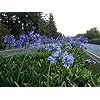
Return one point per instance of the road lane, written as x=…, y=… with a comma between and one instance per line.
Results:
x=94, y=49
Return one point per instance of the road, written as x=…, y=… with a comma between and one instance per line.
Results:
x=94, y=49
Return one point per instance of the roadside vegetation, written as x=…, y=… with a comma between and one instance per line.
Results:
x=36, y=71
x=59, y=61
x=93, y=36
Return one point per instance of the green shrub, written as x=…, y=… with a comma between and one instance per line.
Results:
x=95, y=41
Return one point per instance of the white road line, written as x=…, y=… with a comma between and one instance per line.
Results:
x=92, y=54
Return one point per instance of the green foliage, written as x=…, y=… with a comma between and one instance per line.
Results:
x=22, y=22
x=19, y=22
x=95, y=41
x=94, y=67
x=51, y=27
x=35, y=70
x=80, y=35
x=3, y=31
x=92, y=33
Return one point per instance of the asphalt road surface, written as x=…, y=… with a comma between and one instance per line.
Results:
x=94, y=49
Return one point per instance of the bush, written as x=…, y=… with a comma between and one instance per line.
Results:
x=94, y=41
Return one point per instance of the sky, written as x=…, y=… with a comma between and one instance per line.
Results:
x=77, y=16
x=71, y=16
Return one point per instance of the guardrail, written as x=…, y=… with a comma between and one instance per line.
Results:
x=93, y=56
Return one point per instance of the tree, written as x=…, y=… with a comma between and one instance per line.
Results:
x=80, y=35
x=20, y=22
x=3, y=31
x=51, y=27
x=92, y=33
x=39, y=23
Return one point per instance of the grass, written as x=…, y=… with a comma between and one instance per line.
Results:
x=34, y=70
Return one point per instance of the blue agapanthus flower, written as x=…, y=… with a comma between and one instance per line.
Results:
x=57, y=53
x=52, y=60
x=35, y=39
x=23, y=37
x=48, y=47
x=83, y=46
x=18, y=44
x=67, y=59
x=8, y=39
x=30, y=34
x=64, y=55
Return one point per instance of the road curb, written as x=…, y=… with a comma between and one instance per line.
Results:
x=93, y=56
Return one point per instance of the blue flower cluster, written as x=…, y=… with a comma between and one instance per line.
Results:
x=9, y=40
x=52, y=47
x=34, y=39
x=74, y=42
x=30, y=39
x=65, y=58
x=48, y=44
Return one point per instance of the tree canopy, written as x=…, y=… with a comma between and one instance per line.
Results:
x=92, y=33
x=22, y=22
